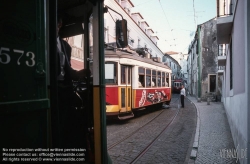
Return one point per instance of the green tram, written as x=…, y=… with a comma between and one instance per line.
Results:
x=29, y=112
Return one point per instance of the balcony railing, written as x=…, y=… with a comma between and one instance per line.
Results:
x=221, y=70
x=221, y=50
x=221, y=11
x=221, y=67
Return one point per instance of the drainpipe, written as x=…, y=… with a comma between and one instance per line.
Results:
x=199, y=67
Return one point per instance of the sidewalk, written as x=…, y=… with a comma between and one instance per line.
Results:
x=213, y=136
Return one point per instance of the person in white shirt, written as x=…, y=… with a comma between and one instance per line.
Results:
x=183, y=94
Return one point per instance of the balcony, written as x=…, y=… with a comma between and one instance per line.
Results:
x=220, y=70
x=221, y=55
x=222, y=60
x=224, y=29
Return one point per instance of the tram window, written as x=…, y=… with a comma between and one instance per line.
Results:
x=141, y=80
x=110, y=73
x=163, y=78
x=167, y=80
x=123, y=74
x=148, y=78
x=123, y=97
x=159, y=79
x=129, y=75
x=153, y=78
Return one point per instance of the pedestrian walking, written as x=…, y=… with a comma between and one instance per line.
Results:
x=183, y=95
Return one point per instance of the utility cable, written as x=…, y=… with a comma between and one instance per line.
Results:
x=194, y=14
x=167, y=20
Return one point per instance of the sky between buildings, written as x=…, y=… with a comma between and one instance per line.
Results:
x=175, y=21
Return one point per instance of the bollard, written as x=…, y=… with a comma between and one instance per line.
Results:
x=199, y=99
x=208, y=101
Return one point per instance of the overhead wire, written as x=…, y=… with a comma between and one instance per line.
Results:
x=168, y=23
x=194, y=14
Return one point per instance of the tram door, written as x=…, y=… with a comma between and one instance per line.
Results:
x=24, y=100
x=125, y=89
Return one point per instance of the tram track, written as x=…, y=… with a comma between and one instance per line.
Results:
x=165, y=131
x=149, y=136
x=145, y=150
x=135, y=131
x=118, y=142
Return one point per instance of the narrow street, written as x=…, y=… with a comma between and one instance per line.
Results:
x=172, y=131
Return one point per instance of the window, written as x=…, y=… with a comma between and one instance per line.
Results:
x=212, y=83
x=153, y=82
x=123, y=97
x=129, y=75
x=163, y=79
x=159, y=78
x=123, y=74
x=111, y=73
x=197, y=47
x=231, y=66
x=167, y=80
x=141, y=80
x=148, y=78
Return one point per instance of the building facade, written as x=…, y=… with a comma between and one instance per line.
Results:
x=202, y=62
x=192, y=68
x=141, y=37
x=233, y=37
x=182, y=60
x=174, y=65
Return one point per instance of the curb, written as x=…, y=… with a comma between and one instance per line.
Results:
x=194, y=151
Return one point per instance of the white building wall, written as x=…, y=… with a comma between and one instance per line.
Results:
x=135, y=32
x=193, y=69
x=236, y=100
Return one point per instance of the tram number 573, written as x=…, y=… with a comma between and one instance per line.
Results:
x=5, y=58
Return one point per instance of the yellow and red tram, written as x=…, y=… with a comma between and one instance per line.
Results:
x=134, y=83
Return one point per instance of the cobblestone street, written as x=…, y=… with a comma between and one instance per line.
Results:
x=173, y=145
